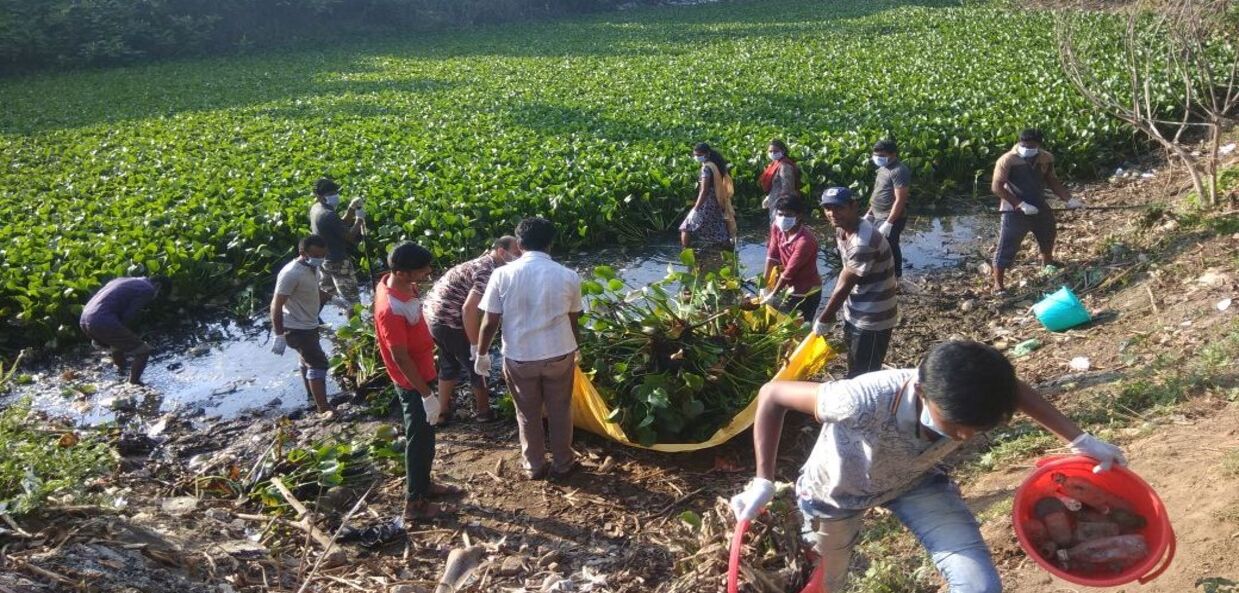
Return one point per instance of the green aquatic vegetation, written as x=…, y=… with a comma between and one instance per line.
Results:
x=678, y=359
x=202, y=169
x=38, y=463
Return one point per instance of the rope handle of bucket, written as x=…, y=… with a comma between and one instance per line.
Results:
x=733, y=563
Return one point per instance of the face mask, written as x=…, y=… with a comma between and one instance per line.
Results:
x=699, y=158
x=928, y=421
x=881, y=161
x=333, y=200
x=315, y=262
x=785, y=223
x=1026, y=152
x=774, y=156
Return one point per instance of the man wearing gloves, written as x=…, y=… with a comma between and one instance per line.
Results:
x=454, y=316
x=337, y=277
x=888, y=206
x=1020, y=179
x=407, y=349
x=882, y=438
x=538, y=303
x=865, y=289
x=793, y=249
x=294, y=317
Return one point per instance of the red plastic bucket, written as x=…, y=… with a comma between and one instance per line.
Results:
x=1118, y=481
x=733, y=563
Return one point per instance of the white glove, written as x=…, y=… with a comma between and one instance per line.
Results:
x=430, y=403
x=355, y=203
x=822, y=328
x=473, y=351
x=885, y=228
x=746, y=505
x=481, y=364
x=1105, y=453
x=764, y=296
x=1074, y=203
x=279, y=345
x=1029, y=209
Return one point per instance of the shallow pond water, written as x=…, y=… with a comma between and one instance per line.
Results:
x=224, y=369
x=928, y=242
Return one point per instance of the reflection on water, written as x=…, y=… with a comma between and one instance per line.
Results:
x=928, y=242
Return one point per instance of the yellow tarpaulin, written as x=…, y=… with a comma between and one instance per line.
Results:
x=590, y=411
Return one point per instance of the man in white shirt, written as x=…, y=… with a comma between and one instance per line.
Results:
x=538, y=303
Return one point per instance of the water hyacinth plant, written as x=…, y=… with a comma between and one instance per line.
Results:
x=677, y=359
x=201, y=169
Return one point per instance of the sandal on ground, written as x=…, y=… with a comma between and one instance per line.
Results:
x=563, y=473
x=538, y=474
x=441, y=489
x=445, y=417
x=423, y=510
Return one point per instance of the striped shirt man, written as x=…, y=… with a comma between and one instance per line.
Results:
x=871, y=304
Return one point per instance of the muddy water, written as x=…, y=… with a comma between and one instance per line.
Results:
x=219, y=370
x=224, y=369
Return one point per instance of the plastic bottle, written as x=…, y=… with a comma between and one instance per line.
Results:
x=1085, y=492
x=1117, y=551
x=1052, y=512
x=1088, y=530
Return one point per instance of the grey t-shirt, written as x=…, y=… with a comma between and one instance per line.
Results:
x=299, y=281
x=869, y=451
x=326, y=223
x=888, y=178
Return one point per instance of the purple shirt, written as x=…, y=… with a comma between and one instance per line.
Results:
x=118, y=302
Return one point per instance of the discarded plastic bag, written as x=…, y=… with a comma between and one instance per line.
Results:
x=590, y=411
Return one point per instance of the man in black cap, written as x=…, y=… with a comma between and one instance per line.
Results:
x=865, y=289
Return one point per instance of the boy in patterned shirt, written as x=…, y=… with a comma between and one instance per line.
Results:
x=455, y=319
x=883, y=436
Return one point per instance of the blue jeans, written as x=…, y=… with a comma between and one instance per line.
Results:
x=936, y=514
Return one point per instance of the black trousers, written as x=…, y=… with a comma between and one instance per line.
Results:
x=419, y=448
x=866, y=349
x=893, y=241
x=806, y=305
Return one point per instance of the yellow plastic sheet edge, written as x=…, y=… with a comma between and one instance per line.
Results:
x=590, y=412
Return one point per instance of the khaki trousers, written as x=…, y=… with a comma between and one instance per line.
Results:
x=543, y=386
